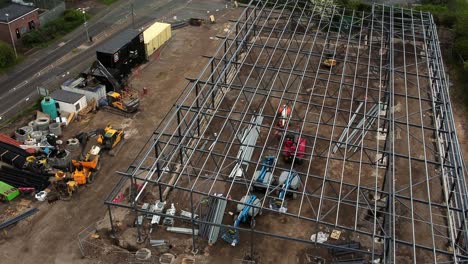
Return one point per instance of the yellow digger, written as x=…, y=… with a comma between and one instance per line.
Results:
x=127, y=105
x=110, y=137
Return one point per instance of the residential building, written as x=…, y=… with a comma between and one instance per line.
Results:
x=16, y=20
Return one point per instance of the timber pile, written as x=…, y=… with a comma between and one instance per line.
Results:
x=90, y=107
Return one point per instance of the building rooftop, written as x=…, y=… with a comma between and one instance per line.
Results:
x=66, y=96
x=14, y=11
x=118, y=41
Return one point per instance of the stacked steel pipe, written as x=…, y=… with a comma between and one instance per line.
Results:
x=21, y=178
x=8, y=140
x=13, y=155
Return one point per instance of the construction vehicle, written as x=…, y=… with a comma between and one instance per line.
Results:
x=117, y=102
x=289, y=180
x=263, y=177
x=246, y=212
x=101, y=74
x=86, y=169
x=294, y=147
x=127, y=105
x=109, y=137
x=329, y=62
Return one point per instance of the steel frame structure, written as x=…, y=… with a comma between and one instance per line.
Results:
x=399, y=185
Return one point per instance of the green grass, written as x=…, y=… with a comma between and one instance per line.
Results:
x=108, y=2
x=18, y=60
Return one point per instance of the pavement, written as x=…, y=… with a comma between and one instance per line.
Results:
x=49, y=67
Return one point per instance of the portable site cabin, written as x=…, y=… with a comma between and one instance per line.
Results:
x=91, y=90
x=122, y=53
x=155, y=36
x=69, y=102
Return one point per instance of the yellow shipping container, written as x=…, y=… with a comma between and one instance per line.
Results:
x=155, y=36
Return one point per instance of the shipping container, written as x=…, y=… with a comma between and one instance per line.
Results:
x=122, y=52
x=155, y=36
x=92, y=91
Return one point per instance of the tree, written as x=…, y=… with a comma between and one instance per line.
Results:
x=7, y=55
x=461, y=47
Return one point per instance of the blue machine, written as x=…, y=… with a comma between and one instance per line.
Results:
x=231, y=236
x=260, y=175
x=287, y=184
x=289, y=180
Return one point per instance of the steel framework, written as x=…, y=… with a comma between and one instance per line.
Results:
x=382, y=159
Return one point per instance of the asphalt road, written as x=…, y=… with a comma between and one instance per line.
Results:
x=53, y=65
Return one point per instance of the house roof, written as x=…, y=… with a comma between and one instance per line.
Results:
x=66, y=96
x=15, y=11
x=117, y=42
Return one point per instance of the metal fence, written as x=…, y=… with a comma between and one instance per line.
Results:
x=51, y=14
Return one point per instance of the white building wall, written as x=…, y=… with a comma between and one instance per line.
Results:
x=72, y=108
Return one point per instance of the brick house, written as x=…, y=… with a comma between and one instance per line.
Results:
x=16, y=20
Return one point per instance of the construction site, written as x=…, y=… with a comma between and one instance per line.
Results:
x=289, y=132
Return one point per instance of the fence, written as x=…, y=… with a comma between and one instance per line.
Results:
x=51, y=14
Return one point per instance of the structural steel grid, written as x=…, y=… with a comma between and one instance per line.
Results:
x=381, y=160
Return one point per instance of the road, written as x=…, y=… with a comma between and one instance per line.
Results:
x=59, y=62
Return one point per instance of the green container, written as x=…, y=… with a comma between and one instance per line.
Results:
x=8, y=192
x=48, y=106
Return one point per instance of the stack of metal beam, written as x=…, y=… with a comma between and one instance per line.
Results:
x=216, y=208
x=356, y=131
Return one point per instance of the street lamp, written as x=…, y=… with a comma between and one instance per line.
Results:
x=11, y=36
x=85, y=24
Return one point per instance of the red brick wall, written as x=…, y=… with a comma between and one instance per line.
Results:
x=22, y=24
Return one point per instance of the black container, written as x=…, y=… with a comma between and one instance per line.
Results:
x=122, y=53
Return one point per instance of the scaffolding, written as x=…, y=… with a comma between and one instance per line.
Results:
x=381, y=159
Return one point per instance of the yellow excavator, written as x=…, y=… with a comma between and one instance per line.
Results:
x=110, y=137
x=127, y=105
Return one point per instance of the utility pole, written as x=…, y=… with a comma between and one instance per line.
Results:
x=86, y=25
x=11, y=36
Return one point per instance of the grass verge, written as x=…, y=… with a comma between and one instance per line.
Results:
x=108, y=2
